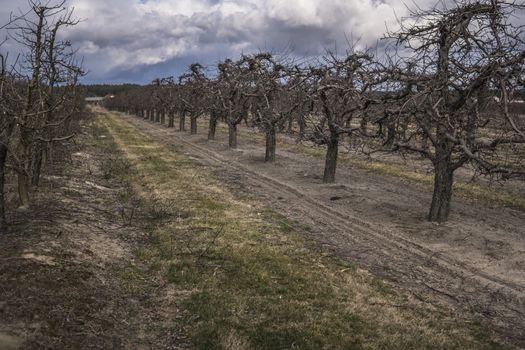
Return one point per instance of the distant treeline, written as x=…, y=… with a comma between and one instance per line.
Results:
x=106, y=89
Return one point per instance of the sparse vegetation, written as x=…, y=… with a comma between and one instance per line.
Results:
x=246, y=278
x=40, y=102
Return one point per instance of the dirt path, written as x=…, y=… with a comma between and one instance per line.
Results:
x=475, y=262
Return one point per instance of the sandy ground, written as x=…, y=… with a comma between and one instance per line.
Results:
x=474, y=262
x=69, y=279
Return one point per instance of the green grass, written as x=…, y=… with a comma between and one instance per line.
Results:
x=247, y=280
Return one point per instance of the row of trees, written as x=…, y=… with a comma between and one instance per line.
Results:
x=445, y=88
x=39, y=97
x=95, y=90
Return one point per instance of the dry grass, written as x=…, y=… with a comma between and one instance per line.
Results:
x=67, y=281
x=247, y=280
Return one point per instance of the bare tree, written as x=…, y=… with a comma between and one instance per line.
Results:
x=46, y=63
x=193, y=93
x=466, y=63
x=7, y=122
x=340, y=89
x=268, y=84
x=168, y=93
x=214, y=107
x=234, y=104
x=59, y=69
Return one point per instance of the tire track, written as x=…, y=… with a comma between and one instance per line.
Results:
x=356, y=225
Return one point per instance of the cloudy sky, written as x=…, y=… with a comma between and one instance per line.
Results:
x=138, y=40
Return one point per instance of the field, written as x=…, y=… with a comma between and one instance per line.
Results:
x=360, y=191
x=157, y=239
x=375, y=215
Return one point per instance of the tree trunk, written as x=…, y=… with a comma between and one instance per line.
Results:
x=390, y=134
x=425, y=141
x=23, y=190
x=182, y=121
x=193, y=124
x=232, y=135
x=302, y=126
x=157, y=116
x=163, y=117
x=363, y=125
x=3, y=156
x=270, y=144
x=331, y=160
x=171, y=119
x=37, y=167
x=151, y=115
x=23, y=177
x=442, y=196
x=213, y=126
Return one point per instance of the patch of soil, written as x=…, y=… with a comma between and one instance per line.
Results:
x=475, y=262
x=69, y=275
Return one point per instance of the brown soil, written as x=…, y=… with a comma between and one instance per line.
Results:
x=67, y=266
x=475, y=262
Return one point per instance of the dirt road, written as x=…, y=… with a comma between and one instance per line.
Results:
x=475, y=262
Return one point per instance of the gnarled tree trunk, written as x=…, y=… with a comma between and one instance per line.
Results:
x=289, y=129
x=171, y=119
x=22, y=176
x=193, y=124
x=442, y=196
x=232, y=135
x=363, y=124
x=182, y=121
x=270, y=143
x=163, y=117
x=390, y=134
x=302, y=126
x=23, y=190
x=212, y=126
x=331, y=159
x=36, y=167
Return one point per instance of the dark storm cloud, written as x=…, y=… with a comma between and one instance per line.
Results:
x=133, y=40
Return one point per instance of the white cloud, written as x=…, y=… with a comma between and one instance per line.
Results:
x=125, y=34
x=139, y=35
